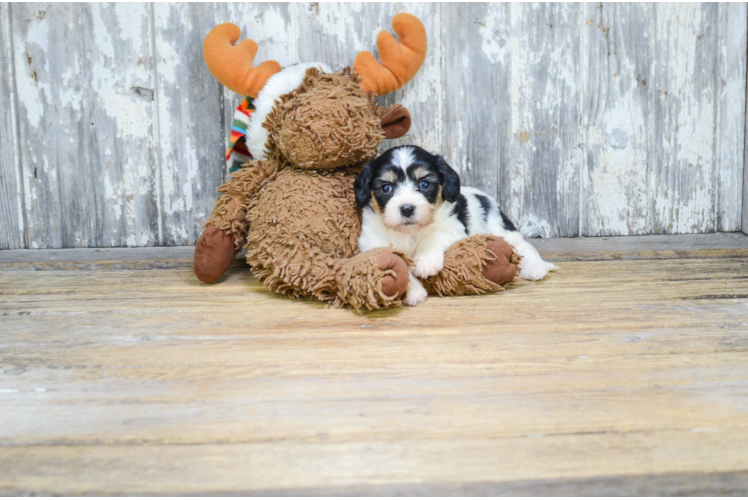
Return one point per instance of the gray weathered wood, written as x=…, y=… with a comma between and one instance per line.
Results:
x=11, y=198
x=477, y=107
x=682, y=163
x=333, y=33
x=617, y=94
x=85, y=88
x=588, y=120
x=191, y=125
x=744, y=221
x=731, y=88
x=744, y=224
x=541, y=186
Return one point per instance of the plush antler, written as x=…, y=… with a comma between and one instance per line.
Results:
x=232, y=64
x=400, y=61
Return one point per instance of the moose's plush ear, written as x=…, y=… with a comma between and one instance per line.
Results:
x=450, y=180
x=362, y=186
x=396, y=122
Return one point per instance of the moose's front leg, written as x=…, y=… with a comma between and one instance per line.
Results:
x=227, y=228
x=474, y=266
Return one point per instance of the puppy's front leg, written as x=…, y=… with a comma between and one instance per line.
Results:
x=429, y=263
x=416, y=293
x=429, y=255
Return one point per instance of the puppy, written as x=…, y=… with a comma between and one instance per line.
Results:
x=412, y=199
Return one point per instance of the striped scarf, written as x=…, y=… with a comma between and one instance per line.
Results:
x=237, y=153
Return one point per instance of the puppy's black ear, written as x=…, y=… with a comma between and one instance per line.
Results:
x=450, y=180
x=362, y=186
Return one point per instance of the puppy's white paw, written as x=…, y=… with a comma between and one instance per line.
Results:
x=415, y=294
x=534, y=268
x=428, y=264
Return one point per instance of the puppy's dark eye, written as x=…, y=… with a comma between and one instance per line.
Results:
x=386, y=188
x=424, y=185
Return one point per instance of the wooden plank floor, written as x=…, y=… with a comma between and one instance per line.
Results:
x=610, y=377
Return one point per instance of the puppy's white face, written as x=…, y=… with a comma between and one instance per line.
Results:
x=405, y=186
x=408, y=210
x=406, y=194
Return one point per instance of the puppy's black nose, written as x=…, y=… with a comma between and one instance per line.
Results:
x=407, y=210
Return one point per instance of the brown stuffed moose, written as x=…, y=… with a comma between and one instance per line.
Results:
x=309, y=131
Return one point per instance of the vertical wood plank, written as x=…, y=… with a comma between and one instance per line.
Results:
x=731, y=88
x=682, y=175
x=744, y=222
x=333, y=33
x=476, y=92
x=11, y=189
x=617, y=94
x=191, y=127
x=541, y=182
x=86, y=124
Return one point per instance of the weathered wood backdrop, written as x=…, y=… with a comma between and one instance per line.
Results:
x=583, y=119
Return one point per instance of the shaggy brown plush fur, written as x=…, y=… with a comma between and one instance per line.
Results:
x=467, y=264
x=360, y=281
x=327, y=122
x=301, y=224
x=230, y=212
x=296, y=211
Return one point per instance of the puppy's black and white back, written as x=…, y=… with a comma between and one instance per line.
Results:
x=413, y=200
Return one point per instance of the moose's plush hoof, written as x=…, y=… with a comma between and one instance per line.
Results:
x=214, y=253
x=504, y=268
x=393, y=285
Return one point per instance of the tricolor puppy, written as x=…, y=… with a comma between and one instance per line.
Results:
x=412, y=199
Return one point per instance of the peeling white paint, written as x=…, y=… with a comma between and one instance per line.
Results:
x=615, y=197
x=533, y=227
x=38, y=33
x=731, y=126
x=494, y=36
x=113, y=196
x=275, y=35
x=683, y=197
x=335, y=21
x=33, y=95
x=572, y=148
